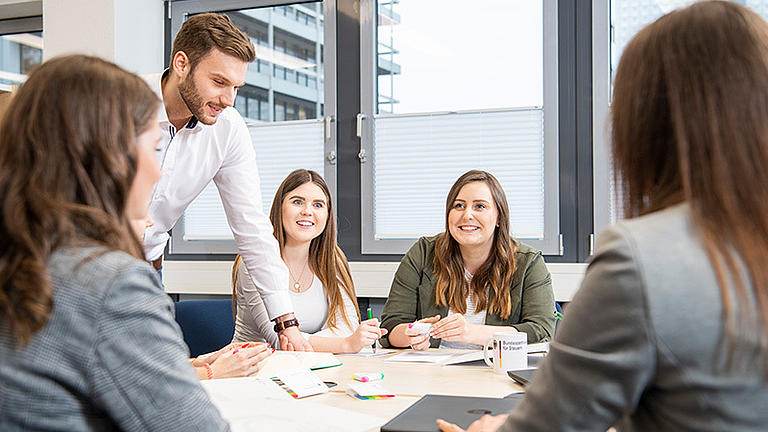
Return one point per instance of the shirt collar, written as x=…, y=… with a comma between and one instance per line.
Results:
x=155, y=82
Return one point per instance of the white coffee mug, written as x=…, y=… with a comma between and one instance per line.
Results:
x=509, y=351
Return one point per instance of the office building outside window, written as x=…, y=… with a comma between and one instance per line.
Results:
x=283, y=102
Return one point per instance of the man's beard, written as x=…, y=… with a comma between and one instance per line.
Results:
x=193, y=101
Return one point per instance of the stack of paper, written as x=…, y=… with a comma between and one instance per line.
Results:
x=369, y=390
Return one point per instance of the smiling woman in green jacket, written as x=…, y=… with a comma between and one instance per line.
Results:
x=474, y=275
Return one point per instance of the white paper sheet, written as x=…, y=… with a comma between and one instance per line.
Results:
x=303, y=382
x=420, y=356
x=258, y=404
x=368, y=352
x=231, y=389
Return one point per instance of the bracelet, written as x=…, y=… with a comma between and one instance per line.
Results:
x=208, y=370
x=280, y=326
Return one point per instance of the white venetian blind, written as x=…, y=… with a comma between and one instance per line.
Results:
x=419, y=157
x=280, y=148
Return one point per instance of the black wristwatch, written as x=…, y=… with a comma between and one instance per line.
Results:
x=280, y=326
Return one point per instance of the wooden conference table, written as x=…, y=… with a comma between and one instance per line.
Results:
x=408, y=381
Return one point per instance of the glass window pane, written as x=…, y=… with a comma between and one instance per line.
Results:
x=19, y=53
x=460, y=86
x=627, y=18
x=297, y=33
x=481, y=56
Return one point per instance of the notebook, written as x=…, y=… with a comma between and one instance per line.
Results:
x=286, y=361
x=460, y=410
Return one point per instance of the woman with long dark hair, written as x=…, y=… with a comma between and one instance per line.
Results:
x=87, y=335
x=321, y=288
x=474, y=275
x=669, y=330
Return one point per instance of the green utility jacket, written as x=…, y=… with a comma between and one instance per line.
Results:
x=412, y=296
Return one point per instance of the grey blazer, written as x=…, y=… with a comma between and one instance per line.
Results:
x=110, y=357
x=640, y=344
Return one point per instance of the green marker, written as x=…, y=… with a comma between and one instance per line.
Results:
x=370, y=316
x=558, y=315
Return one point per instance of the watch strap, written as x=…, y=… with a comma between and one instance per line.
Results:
x=280, y=326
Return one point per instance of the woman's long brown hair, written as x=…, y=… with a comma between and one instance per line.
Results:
x=491, y=282
x=690, y=124
x=325, y=256
x=67, y=161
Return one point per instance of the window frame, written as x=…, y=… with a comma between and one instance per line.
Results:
x=551, y=243
x=575, y=128
x=601, y=93
x=21, y=25
x=177, y=11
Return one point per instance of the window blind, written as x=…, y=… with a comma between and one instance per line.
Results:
x=419, y=157
x=280, y=148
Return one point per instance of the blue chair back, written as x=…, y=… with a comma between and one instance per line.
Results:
x=559, y=309
x=207, y=325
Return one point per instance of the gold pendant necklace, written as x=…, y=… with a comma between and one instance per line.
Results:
x=297, y=282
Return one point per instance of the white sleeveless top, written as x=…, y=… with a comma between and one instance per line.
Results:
x=311, y=307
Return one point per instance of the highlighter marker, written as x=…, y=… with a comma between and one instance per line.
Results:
x=370, y=316
x=367, y=377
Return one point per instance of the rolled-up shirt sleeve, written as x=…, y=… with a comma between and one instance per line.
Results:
x=238, y=183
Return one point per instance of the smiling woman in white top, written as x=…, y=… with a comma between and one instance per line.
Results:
x=321, y=285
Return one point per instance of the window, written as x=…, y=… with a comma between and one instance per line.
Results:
x=283, y=116
x=615, y=23
x=19, y=53
x=440, y=87
x=473, y=87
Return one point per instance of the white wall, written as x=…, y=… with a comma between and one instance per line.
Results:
x=127, y=32
x=372, y=279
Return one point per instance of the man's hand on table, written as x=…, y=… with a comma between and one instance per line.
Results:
x=486, y=423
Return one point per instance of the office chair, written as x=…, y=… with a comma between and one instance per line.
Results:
x=207, y=325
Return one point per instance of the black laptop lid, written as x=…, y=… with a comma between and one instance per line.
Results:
x=460, y=410
x=522, y=376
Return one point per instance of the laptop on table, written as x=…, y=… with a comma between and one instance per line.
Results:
x=460, y=410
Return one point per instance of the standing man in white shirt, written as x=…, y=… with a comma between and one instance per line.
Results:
x=206, y=139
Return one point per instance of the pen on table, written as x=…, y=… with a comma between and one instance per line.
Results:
x=370, y=316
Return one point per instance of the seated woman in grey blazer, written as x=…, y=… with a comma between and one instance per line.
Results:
x=87, y=335
x=670, y=327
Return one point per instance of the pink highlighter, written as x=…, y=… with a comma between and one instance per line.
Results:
x=422, y=327
x=367, y=377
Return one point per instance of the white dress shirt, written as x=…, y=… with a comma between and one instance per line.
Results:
x=251, y=323
x=223, y=152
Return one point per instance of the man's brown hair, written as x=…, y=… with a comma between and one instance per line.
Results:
x=202, y=33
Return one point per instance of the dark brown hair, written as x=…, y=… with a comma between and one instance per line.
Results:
x=201, y=33
x=494, y=275
x=690, y=124
x=325, y=256
x=67, y=161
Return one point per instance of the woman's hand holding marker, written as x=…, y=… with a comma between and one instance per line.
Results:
x=418, y=332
